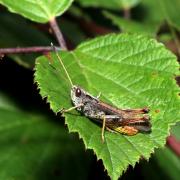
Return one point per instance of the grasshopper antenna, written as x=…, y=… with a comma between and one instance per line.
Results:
x=60, y=60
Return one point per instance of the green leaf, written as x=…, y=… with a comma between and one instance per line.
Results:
x=35, y=146
x=113, y=4
x=164, y=164
x=172, y=168
x=130, y=71
x=131, y=26
x=158, y=11
x=175, y=130
x=11, y=35
x=39, y=11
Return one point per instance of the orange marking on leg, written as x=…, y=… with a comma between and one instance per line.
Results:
x=128, y=130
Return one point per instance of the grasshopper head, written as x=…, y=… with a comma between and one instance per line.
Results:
x=77, y=95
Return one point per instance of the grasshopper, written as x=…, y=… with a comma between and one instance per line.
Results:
x=124, y=121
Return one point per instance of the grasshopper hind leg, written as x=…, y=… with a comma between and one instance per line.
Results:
x=144, y=110
x=103, y=128
x=127, y=130
x=70, y=109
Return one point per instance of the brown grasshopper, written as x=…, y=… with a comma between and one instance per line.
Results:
x=125, y=121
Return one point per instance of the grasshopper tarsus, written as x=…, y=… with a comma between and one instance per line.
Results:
x=98, y=96
x=61, y=111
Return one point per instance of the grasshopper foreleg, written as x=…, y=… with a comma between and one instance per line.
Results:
x=70, y=109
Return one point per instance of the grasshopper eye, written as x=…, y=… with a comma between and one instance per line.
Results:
x=78, y=92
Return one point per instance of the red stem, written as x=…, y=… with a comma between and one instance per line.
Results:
x=174, y=144
x=25, y=50
x=57, y=32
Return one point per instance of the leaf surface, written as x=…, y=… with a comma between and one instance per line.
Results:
x=131, y=71
x=38, y=10
x=131, y=26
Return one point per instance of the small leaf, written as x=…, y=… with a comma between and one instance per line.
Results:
x=113, y=4
x=131, y=26
x=130, y=71
x=39, y=11
x=158, y=11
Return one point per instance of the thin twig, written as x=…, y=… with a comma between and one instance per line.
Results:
x=174, y=145
x=175, y=38
x=57, y=32
x=127, y=13
x=171, y=28
x=34, y=49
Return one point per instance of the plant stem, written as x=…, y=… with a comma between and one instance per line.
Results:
x=175, y=38
x=57, y=32
x=174, y=144
x=25, y=50
x=127, y=13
